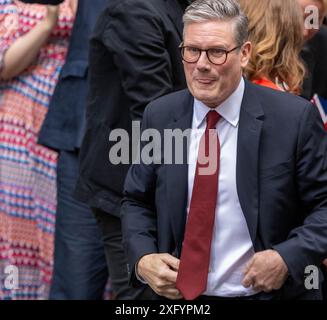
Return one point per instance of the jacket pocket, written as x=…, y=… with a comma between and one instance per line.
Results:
x=77, y=69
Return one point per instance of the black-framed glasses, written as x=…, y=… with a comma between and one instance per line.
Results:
x=217, y=56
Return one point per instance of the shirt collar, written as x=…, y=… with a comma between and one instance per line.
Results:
x=229, y=109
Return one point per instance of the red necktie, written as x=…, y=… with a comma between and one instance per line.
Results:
x=195, y=258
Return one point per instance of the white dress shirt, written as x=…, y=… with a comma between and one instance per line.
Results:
x=231, y=246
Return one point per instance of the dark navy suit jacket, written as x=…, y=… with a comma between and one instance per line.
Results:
x=281, y=183
x=64, y=125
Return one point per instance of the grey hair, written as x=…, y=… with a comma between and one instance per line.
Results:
x=224, y=10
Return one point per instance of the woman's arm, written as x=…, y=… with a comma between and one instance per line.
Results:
x=25, y=49
x=73, y=5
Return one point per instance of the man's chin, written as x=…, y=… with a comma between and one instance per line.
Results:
x=207, y=101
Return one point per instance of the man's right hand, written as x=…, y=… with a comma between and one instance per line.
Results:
x=160, y=273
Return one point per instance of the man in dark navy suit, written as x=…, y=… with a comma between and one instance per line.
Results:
x=252, y=226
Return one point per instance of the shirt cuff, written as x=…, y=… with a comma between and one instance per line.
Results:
x=138, y=277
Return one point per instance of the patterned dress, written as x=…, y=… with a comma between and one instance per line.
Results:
x=28, y=170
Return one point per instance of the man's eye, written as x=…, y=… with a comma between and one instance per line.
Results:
x=193, y=50
x=217, y=52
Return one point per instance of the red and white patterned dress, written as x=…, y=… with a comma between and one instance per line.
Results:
x=28, y=170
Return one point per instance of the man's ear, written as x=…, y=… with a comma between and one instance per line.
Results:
x=246, y=53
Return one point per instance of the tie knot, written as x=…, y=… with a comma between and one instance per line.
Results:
x=212, y=119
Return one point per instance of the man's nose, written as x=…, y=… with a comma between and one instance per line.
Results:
x=203, y=62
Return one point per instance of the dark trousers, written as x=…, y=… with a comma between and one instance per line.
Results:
x=116, y=259
x=80, y=270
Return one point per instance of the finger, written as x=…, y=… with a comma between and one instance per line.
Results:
x=170, y=276
x=258, y=288
x=248, y=280
x=171, y=293
x=262, y=287
x=172, y=261
x=248, y=266
x=164, y=283
x=177, y=297
x=166, y=289
x=267, y=290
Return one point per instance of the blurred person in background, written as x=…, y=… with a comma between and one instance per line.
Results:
x=314, y=48
x=34, y=41
x=314, y=54
x=80, y=270
x=134, y=58
x=275, y=30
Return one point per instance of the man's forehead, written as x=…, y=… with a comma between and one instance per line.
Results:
x=211, y=31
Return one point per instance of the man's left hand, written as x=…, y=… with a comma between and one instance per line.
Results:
x=266, y=271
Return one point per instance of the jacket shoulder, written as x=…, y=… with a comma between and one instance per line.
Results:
x=129, y=7
x=275, y=101
x=169, y=105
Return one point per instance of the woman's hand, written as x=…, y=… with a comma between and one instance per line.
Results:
x=51, y=18
x=23, y=52
x=73, y=6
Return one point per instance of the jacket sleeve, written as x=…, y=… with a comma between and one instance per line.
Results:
x=135, y=35
x=138, y=213
x=307, y=244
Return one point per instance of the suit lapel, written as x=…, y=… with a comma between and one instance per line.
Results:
x=247, y=166
x=177, y=175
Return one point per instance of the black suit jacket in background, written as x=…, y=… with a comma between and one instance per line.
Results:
x=134, y=58
x=64, y=125
x=281, y=177
x=314, y=54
